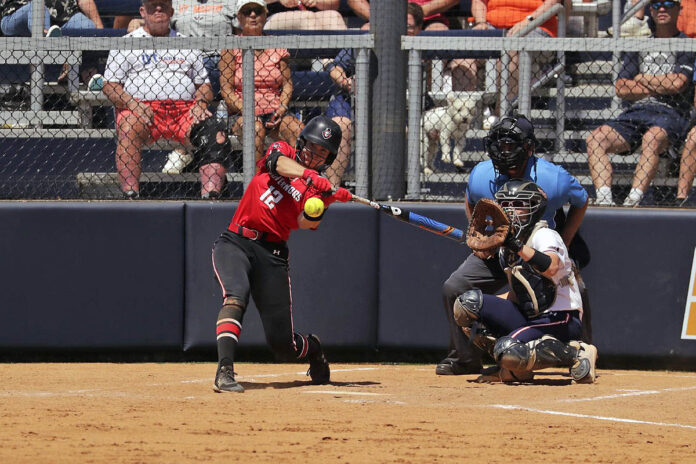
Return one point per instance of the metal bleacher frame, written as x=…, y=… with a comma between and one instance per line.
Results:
x=461, y=45
x=302, y=44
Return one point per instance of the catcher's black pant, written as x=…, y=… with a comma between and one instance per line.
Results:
x=247, y=267
x=489, y=277
x=474, y=272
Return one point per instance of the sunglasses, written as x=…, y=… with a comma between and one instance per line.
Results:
x=666, y=4
x=257, y=10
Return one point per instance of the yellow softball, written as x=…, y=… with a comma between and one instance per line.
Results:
x=314, y=207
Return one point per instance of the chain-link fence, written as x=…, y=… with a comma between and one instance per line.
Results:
x=108, y=117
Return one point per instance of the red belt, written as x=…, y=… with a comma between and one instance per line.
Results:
x=252, y=234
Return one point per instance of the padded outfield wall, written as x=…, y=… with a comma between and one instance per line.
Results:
x=125, y=276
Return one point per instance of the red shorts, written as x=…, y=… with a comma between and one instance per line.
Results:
x=172, y=119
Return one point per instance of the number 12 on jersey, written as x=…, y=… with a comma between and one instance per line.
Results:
x=271, y=197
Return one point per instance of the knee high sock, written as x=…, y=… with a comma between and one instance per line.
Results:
x=306, y=347
x=229, y=328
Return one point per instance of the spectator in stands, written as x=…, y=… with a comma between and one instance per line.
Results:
x=305, y=15
x=658, y=85
x=272, y=83
x=342, y=70
x=71, y=14
x=687, y=170
x=434, y=19
x=201, y=18
x=162, y=94
x=512, y=17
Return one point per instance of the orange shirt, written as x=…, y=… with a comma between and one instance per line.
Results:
x=268, y=80
x=687, y=18
x=504, y=14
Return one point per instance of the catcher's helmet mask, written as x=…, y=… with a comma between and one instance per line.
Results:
x=510, y=142
x=324, y=132
x=524, y=203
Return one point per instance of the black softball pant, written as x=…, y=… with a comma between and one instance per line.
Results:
x=259, y=269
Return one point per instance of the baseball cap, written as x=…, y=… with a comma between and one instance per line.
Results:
x=242, y=3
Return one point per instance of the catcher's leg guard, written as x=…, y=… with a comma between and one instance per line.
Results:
x=537, y=354
x=467, y=307
x=207, y=149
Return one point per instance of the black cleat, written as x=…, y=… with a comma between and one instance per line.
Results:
x=319, y=369
x=224, y=381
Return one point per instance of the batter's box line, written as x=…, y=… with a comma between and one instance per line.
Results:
x=628, y=394
x=588, y=416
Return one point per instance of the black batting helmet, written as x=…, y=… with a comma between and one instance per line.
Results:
x=524, y=202
x=510, y=142
x=323, y=131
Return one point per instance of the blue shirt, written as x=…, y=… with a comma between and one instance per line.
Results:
x=560, y=187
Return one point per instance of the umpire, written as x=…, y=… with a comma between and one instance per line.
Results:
x=510, y=144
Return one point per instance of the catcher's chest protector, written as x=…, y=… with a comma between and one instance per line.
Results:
x=533, y=292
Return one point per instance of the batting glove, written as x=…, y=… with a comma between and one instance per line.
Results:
x=318, y=182
x=341, y=195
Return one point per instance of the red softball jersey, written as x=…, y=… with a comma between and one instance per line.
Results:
x=272, y=203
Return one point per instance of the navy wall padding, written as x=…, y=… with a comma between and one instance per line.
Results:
x=91, y=275
x=138, y=275
x=333, y=272
x=638, y=279
x=413, y=264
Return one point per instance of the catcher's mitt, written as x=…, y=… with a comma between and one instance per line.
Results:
x=489, y=227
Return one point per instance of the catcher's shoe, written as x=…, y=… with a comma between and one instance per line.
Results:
x=224, y=381
x=497, y=374
x=583, y=370
x=319, y=369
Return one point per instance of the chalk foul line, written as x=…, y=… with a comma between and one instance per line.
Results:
x=588, y=416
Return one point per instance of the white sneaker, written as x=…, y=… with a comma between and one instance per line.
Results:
x=603, y=202
x=96, y=82
x=54, y=31
x=176, y=162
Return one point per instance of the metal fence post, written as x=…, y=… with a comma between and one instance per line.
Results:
x=362, y=128
x=415, y=96
x=248, y=111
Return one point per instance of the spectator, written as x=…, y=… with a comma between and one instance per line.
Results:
x=506, y=15
x=71, y=14
x=162, y=93
x=687, y=170
x=306, y=15
x=272, y=83
x=434, y=20
x=201, y=18
x=658, y=86
x=342, y=70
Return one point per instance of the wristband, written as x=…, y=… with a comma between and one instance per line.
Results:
x=541, y=261
x=314, y=219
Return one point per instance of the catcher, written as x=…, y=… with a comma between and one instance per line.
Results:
x=534, y=328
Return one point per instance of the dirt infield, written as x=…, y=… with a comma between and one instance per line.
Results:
x=371, y=413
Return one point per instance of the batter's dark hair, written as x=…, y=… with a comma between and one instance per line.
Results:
x=416, y=11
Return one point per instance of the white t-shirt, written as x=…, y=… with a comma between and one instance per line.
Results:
x=568, y=297
x=157, y=74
